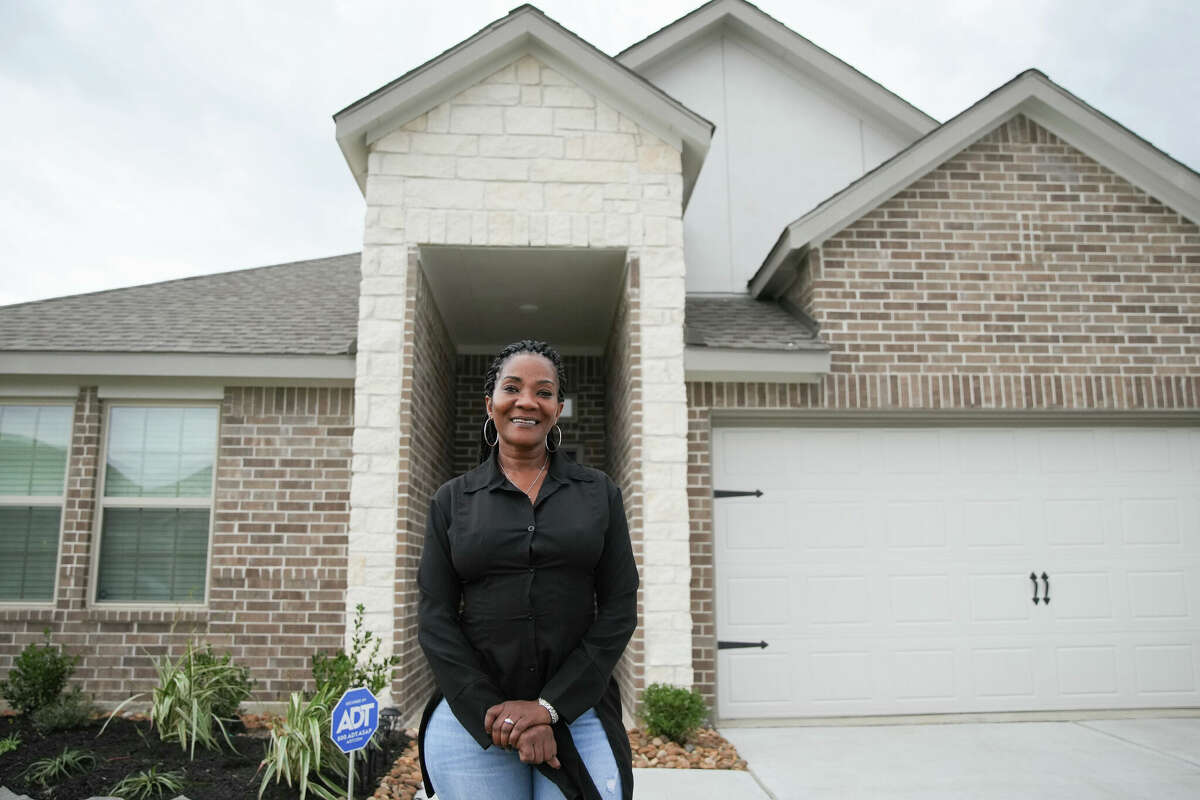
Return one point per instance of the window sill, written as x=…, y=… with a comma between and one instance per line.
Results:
x=145, y=614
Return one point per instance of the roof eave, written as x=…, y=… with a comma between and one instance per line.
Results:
x=1031, y=93
x=234, y=366
x=525, y=30
x=748, y=364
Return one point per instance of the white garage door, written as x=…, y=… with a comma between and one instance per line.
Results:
x=888, y=569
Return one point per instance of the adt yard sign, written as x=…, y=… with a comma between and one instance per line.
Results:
x=355, y=719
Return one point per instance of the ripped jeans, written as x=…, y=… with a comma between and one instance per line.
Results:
x=461, y=770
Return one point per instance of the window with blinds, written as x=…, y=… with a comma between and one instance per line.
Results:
x=34, y=443
x=156, y=507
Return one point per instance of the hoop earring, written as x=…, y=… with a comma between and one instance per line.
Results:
x=557, y=444
x=493, y=442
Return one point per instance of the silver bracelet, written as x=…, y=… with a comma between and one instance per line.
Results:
x=544, y=703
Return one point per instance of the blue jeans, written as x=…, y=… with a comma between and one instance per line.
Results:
x=461, y=770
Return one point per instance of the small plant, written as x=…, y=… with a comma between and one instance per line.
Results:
x=190, y=693
x=9, y=743
x=147, y=784
x=37, y=677
x=300, y=746
x=344, y=670
x=71, y=710
x=672, y=711
x=48, y=771
x=234, y=685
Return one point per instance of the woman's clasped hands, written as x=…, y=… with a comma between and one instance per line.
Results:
x=525, y=725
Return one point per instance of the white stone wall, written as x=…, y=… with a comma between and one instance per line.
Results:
x=527, y=158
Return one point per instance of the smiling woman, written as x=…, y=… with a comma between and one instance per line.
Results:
x=528, y=598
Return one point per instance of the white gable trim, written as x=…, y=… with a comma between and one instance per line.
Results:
x=841, y=79
x=524, y=31
x=1031, y=93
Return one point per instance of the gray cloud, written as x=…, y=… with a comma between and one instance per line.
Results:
x=147, y=141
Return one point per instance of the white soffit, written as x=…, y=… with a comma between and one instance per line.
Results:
x=772, y=366
x=1031, y=93
x=490, y=296
x=773, y=36
x=312, y=370
x=526, y=30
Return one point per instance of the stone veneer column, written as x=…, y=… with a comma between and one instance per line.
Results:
x=666, y=573
x=527, y=158
x=371, y=544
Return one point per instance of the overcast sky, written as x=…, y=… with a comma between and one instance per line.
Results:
x=144, y=141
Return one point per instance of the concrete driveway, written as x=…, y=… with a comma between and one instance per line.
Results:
x=1128, y=758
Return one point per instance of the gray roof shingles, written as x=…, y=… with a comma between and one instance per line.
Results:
x=307, y=308
x=301, y=308
x=742, y=323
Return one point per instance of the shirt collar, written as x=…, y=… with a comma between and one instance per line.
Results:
x=489, y=475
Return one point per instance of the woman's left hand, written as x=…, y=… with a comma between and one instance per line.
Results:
x=524, y=715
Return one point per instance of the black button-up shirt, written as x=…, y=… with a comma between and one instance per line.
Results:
x=521, y=600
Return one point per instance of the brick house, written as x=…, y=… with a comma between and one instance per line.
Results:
x=870, y=384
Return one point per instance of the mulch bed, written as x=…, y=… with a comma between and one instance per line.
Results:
x=129, y=745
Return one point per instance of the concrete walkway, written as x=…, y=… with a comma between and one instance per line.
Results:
x=1127, y=758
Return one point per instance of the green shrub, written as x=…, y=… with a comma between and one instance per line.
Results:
x=190, y=693
x=672, y=712
x=37, y=677
x=71, y=710
x=234, y=685
x=9, y=743
x=48, y=771
x=300, y=750
x=148, y=783
x=343, y=670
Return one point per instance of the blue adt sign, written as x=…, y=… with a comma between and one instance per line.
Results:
x=355, y=719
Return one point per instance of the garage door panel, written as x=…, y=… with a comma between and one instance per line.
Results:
x=921, y=600
x=1069, y=452
x=839, y=526
x=1000, y=599
x=1073, y=522
x=1142, y=451
x=997, y=523
x=1088, y=673
x=898, y=580
x=1003, y=674
x=1083, y=596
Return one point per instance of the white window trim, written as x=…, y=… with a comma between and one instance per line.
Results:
x=134, y=502
x=45, y=500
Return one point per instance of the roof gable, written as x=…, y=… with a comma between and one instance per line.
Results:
x=525, y=31
x=776, y=38
x=1031, y=94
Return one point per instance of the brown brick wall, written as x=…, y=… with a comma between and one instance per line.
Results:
x=1019, y=275
x=624, y=406
x=278, y=551
x=1023, y=257
x=427, y=414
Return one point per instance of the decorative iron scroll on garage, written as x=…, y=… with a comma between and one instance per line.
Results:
x=718, y=494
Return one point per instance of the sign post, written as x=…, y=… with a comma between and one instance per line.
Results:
x=355, y=720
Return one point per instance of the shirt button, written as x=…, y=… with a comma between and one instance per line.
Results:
x=530, y=617
x=531, y=669
x=530, y=528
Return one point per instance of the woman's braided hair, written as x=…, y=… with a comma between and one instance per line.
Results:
x=533, y=346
